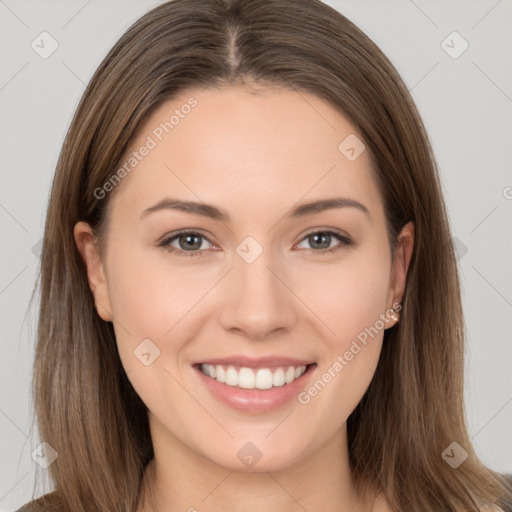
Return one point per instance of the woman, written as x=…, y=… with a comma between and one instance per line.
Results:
x=266, y=372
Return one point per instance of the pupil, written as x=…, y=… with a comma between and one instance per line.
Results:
x=192, y=239
x=325, y=236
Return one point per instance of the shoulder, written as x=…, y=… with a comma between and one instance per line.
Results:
x=47, y=503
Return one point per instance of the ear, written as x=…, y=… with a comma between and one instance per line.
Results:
x=87, y=246
x=400, y=266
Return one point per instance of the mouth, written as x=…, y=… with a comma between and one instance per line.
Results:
x=255, y=385
x=254, y=378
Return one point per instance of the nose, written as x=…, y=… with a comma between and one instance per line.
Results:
x=258, y=302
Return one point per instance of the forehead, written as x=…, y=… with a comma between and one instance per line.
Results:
x=255, y=150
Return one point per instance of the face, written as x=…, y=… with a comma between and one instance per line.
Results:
x=286, y=304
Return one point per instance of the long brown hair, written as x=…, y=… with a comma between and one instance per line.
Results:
x=413, y=410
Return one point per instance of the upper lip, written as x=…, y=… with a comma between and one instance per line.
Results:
x=257, y=362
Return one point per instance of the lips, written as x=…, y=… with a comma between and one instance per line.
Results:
x=254, y=384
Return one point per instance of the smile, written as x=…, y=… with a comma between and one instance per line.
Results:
x=255, y=385
x=248, y=378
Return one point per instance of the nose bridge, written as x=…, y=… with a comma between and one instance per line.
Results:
x=255, y=278
x=257, y=301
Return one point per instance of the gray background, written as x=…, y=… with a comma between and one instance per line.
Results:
x=466, y=105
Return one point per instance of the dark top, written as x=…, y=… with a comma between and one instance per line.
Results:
x=38, y=504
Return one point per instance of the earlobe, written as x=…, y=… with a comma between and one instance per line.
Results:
x=88, y=249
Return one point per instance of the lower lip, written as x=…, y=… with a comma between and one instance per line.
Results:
x=255, y=400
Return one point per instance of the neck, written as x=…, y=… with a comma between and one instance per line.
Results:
x=181, y=479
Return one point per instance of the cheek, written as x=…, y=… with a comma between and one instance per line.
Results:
x=347, y=297
x=153, y=299
x=150, y=294
x=137, y=296
x=351, y=303
x=147, y=302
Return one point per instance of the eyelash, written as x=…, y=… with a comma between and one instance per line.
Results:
x=345, y=241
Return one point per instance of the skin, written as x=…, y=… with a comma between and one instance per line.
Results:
x=255, y=156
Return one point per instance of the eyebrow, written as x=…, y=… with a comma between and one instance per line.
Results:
x=215, y=213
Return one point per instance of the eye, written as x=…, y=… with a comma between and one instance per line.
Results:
x=322, y=240
x=189, y=243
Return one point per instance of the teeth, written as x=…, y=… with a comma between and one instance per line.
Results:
x=278, y=378
x=263, y=379
x=247, y=378
x=231, y=377
x=221, y=373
